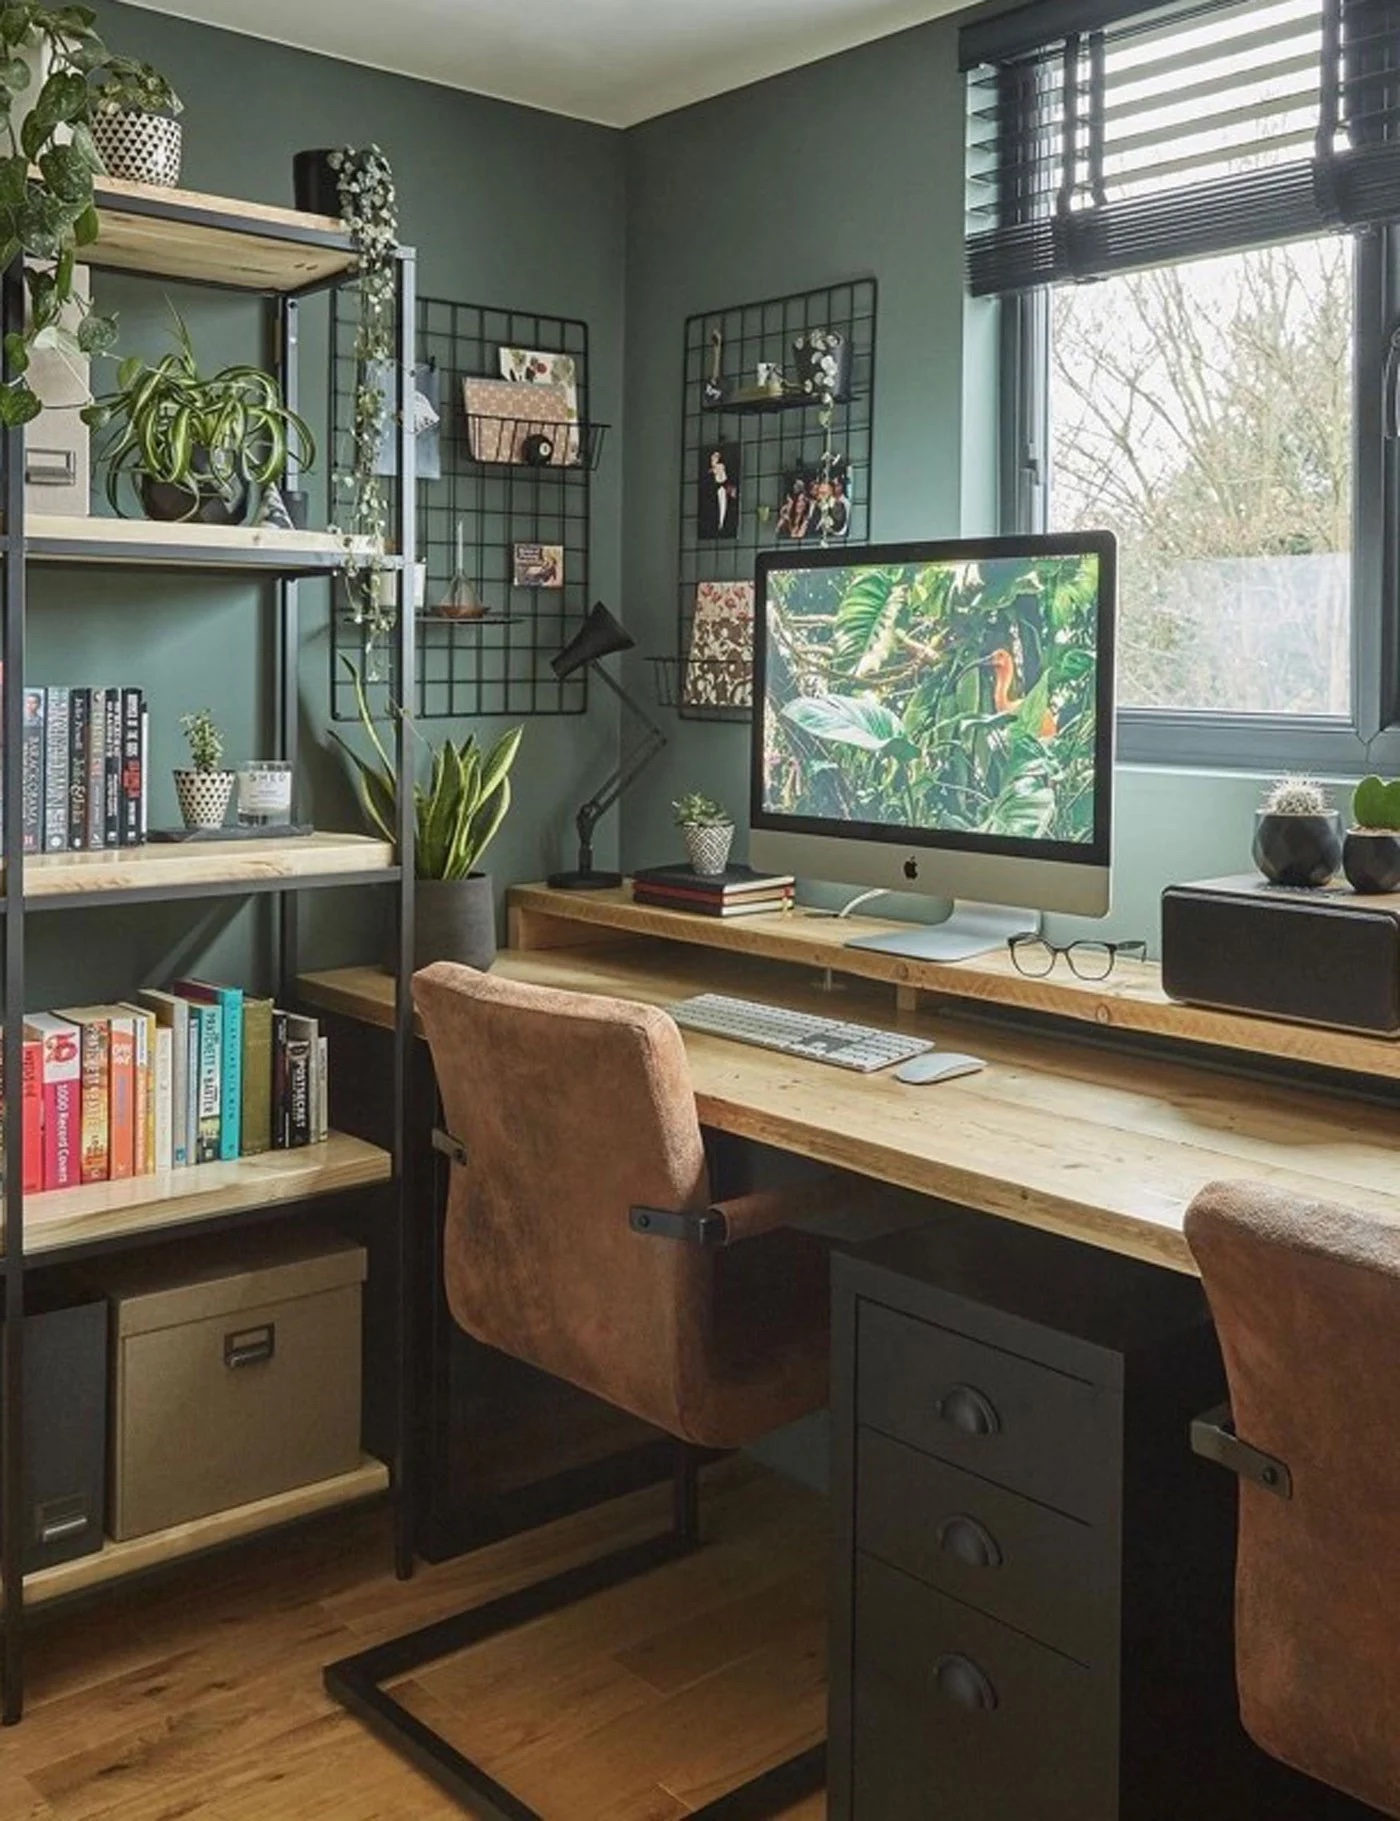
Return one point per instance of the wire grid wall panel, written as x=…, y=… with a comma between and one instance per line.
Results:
x=497, y=663
x=775, y=438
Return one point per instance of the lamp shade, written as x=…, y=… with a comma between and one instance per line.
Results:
x=598, y=637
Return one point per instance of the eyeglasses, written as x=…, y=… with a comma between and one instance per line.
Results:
x=1035, y=957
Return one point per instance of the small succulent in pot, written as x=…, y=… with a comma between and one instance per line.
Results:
x=708, y=829
x=1297, y=834
x=205, y=789
x=1371, y=851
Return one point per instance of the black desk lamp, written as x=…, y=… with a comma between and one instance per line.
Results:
x=598, y=637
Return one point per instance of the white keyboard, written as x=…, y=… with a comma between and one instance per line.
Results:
x=771, y=1027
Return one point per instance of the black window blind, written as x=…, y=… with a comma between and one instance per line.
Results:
x=1132, y=137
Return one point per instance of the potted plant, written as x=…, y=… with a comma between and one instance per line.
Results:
x=190, y=444
x=708, y=829
x=206, y=789
x=136, y=126
x=53, y=67
x=1297, y=834
x=457, y=814
x=1371, y=851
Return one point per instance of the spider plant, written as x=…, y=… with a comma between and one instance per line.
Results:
x=192, y=444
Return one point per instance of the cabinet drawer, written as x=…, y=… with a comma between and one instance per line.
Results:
x=1002, y=1417
x=1052, y=1577
x=960, y=1718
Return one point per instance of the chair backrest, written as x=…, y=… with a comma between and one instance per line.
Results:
x=1306, y=1299
x=572, y=1109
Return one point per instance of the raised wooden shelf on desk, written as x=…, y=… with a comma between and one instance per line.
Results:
x=62, y=1218
x=191, y=866
x=114, y=1561
x=1130, y=1001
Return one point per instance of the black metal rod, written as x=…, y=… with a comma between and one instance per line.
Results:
x=288, y=326
x=406, y=316
x=12, y=1468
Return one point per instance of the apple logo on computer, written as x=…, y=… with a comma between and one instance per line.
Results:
x=911, y=869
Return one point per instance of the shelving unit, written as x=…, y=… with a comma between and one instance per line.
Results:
x=276, y=256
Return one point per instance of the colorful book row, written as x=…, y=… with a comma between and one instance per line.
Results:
x=84, y=769
x=199, y=1074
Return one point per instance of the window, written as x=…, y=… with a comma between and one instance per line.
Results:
x=1189, y=214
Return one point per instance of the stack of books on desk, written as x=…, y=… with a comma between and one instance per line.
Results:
x=736, y=892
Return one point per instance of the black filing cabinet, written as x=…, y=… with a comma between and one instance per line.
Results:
x=65, y=1428
x=1032, y=1616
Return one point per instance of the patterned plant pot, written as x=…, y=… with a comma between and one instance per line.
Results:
x=707, y=845
x=204, y=797
x=139, y=148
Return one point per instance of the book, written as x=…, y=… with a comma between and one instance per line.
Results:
x=193, y=1051
x=300, y=1041
x=79, y=718
x=94, y=1040
x=61, y=1073
x=55, y=771
x=143, y=794
x=31, y=1110
x=163, y=1095
x=734, y=881
x=208, y=1021
x=94, y=835
x=173, y=1014
x=111, y=767
x=144, y=1143
x=129, y=803
x=687, y=894
x=229, y=999
x=715, y=908
x=322, y=1126
x=256, y=1133
x=32, y=770
x=122, y=1090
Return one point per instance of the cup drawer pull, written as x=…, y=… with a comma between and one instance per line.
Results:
x=970, y=1411
x=250, y=1347
x=970, y=1542
x=962, y=1682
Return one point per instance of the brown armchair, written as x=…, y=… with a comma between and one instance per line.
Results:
x=581, y=1237
x=1306, y=1299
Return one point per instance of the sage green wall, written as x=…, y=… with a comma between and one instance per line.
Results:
x=505, y=205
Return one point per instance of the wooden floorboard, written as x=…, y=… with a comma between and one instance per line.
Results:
x=198, y=1697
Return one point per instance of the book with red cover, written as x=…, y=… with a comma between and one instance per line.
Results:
x=32, y=1111
x=61, y=1074
x=713, y=907
x=93, y=1022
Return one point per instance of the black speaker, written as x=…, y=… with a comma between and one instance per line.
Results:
x=1325, y=957
x=65, y=1432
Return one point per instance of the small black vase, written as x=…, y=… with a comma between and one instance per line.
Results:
x=315, y=186
x=1371, y=860
x=1297, y=850
x=453, y=920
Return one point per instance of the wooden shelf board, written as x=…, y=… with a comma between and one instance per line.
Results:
x=150, y=543
x=117, y=1560
x=215, y=239
x=1131, y=1001
x=189, y=865
x=59, y=1219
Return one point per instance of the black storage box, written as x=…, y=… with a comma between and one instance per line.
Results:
x=1327, y=957
x=65, y=1431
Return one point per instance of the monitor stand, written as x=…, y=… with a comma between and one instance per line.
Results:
x=973, y=929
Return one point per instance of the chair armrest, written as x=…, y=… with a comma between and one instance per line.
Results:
x=1213, y=1438
x=725, y=1223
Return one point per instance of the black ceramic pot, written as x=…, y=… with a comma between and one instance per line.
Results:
x=1297, y=850
x=454, y=920
x=1371, y=860
x=206, y=503
x=315, y=186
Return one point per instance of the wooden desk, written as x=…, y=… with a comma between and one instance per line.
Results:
x=1083, y=1138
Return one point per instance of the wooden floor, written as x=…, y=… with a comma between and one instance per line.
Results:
x=199, y=1698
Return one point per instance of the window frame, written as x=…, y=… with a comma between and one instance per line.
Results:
x=1368, y=739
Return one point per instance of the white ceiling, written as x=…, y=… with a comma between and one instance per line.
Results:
x=613, y=61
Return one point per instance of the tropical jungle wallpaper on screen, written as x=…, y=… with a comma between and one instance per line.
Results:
x=954, y=696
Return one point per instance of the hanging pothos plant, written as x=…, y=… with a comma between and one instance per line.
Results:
x=55, y=72
x=369, y=205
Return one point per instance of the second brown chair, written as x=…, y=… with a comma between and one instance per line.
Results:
x=581, y=1237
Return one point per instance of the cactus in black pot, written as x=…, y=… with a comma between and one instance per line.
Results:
x=1297, y=835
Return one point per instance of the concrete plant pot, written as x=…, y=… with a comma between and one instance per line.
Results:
x=1371, y=859
x=1298, y=850
x=454, y=920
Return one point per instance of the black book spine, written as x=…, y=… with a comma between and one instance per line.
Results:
x=112, y=769
x=55, y=770
x=281, y=1124
x=130, y=835
x=96, y=769
x=32, y=770
x=79, y=725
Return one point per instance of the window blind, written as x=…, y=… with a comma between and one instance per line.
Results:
x=1134, y=136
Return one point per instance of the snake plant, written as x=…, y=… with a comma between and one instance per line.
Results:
x=457, y=813
x=168, y=423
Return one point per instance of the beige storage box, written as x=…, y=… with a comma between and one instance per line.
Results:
x=57, y=445
x=235, y=1373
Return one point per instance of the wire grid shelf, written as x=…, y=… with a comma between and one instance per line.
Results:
x=493, y=492
x=777, y=435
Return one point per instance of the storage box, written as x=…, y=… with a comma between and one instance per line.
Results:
x=57, y=445
x=235, y=1373
x=65, y=1431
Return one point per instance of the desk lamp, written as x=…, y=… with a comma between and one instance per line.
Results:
x=599, y=637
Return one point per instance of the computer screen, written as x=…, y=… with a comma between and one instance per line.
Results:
x=954, y=696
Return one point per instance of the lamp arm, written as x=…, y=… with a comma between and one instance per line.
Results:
x=634, y=762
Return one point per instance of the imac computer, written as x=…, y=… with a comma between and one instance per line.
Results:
x=938, y=718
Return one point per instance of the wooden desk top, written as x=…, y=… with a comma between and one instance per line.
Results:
x=1103, y=1145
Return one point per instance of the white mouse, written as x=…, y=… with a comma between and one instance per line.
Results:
x=937, y=1065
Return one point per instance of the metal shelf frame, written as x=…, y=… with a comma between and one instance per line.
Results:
x=174, y=228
